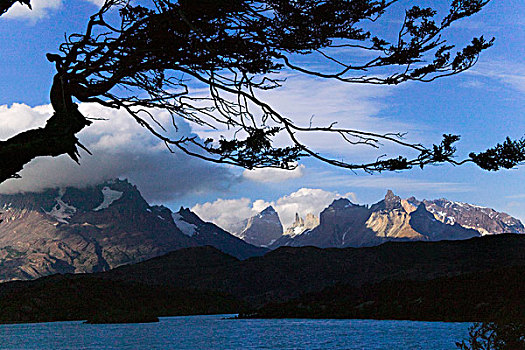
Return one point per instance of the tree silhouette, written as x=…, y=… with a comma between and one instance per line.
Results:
x=157, y=56
x=498, y=335
x=6, y=4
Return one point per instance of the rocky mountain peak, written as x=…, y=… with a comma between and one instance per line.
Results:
x=269, y=210
x=421, y=210
x=300, y=225
x=262, y=229
x=130, y=193
x=390, y=202
x=340, y=203
x=482, y=219
x=424, y=222
x=410, y=204
x=343, y=224
x=298, y=220
x=311, y=221
x=189, y=216
x=90, y=198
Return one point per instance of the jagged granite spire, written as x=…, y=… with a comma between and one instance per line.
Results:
x=390, y=202
x=300, y=225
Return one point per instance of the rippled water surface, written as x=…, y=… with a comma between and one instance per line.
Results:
x=215, y=332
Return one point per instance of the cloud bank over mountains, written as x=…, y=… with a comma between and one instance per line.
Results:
x=225, y=212
x=121, y=148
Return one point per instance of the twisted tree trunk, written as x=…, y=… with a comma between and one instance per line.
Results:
x=56, y=138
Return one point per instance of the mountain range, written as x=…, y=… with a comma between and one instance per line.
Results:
x=345, y=224
x=97, y=228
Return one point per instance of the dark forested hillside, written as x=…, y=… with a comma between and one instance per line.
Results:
x=448, y=280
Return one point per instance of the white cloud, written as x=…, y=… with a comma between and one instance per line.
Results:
x=384, y=181
x=225, y=212
x=228, y=212
x=321, y=102
x=20, y=117
x=516, y=196
x=273, y=174
x=517, y=81
x=304, y=201
x=508, y=73
x=473, y=84
x=40, y=9
x=97, y=2
x=121, y=148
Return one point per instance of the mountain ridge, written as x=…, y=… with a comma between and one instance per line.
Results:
x=94, y=229
x=287, y=272
x=344, y=223
x=97, y=228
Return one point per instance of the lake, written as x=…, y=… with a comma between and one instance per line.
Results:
x=215, y=332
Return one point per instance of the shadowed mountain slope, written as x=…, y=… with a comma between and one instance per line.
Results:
x=288, y=272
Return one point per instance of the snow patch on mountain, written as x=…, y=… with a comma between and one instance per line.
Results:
x=186, y=228
x=61, y=211
x=109, y=197
x=482, y=219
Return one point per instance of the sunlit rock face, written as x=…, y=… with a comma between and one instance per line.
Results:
x=301, y=225
x=394, y=224
x=344, y=224
x=94, y=229
x=341, y=224
x=262, y=229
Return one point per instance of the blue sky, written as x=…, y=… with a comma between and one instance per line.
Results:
x=483, y=105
